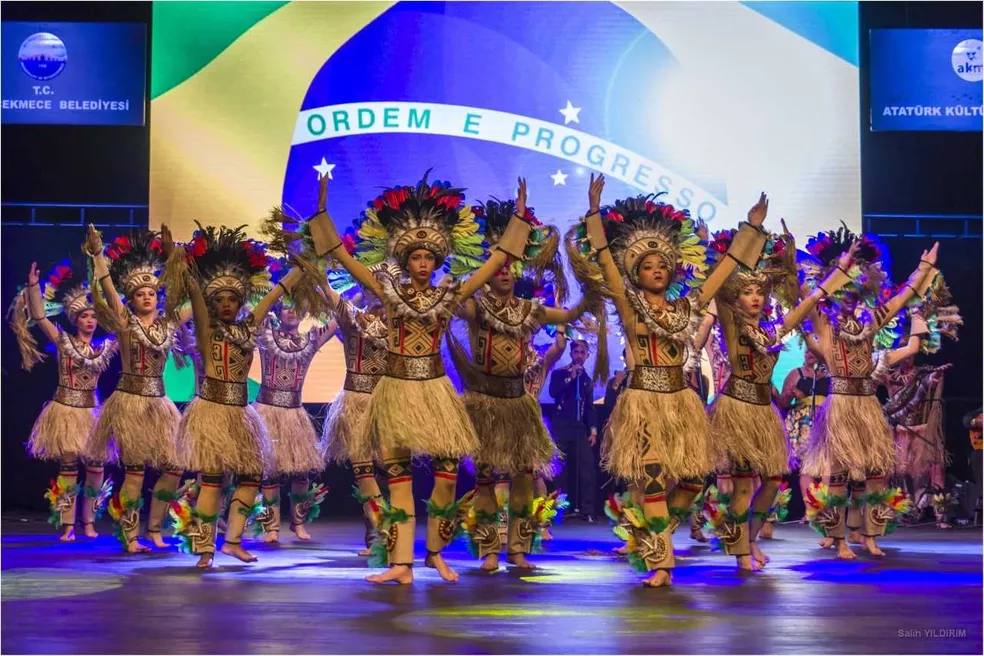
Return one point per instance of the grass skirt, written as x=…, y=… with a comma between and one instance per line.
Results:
x=425, y=416
x=292, y=439
x=651, y=427
x=61, y=429
x=511, y=433
x=139, y=430
x=214, y=437
x=344, y=432
x=849, y=433
x=745, y=433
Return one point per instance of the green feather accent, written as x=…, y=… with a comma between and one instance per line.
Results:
x=358, y=496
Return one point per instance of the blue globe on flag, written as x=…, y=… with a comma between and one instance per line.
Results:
x=42, y=56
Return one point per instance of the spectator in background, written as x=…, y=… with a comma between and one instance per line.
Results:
x=575, y=428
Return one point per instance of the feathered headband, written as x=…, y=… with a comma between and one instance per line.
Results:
x=869, y=279
x=640, y=226
x=224, y=259
x=775, y=273
x=429, y=216
x=135, y=261
x=66, y=289
x=542, y=252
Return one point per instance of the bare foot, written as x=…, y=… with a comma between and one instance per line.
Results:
x=491, y=563
x=205, y=561
x=399, y=573
x=89, y=530
x=844, y=552
x=300, y=532
x=68, y=535
x=436, y=561
x=854, y=536
x=621, y=551
x=697, y=536
x=826, y=543
x=748, y=564
x=661, y=578
x=519, y=560
x=757, y=555
x=872, y=547
x=237, y=551
x=366, y=552
x=766, y=532
x=546, y=535
x=158, y=539
x=271, y=537
x=136, y=547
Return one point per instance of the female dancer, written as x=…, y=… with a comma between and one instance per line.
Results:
x=659, y=429
x=850, y=438
x=220, y=269
x=513, y=439
x=285, y=355
x=749, y=433
x=414, y=408
x=66, y=423
x=137, y=421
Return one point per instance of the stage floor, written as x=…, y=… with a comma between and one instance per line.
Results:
x=87, y=597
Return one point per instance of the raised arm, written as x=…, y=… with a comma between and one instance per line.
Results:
x=912, y=345
x=830, y=285
x=917, y=285
x=556, y=349
x=552, y=315
x=94, y=249
x=596, y=235
x=512, y=245
x=284, y=286
x=704, y=329
x=327, y=242
x=746, y=248
x=35, y=305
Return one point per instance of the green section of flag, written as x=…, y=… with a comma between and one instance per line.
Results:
x=188, y=35
x=180, y=383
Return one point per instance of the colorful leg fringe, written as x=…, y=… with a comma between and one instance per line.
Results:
x=126, y=518
x=780, y=507
x=643, y=537
x=888, y=506
x=452, y=516
x=60, y=499
x=482, y=530
x=257, y=514
x=726, y=525
x=195, y=531
x=386, y=519
x=306, y=506
x=99, y=497
x=822, y=510
x=542, y=512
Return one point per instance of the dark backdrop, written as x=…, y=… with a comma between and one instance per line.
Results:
x=923, y=178
x=917, y=187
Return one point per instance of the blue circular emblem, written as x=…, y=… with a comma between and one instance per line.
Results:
x=42, y=56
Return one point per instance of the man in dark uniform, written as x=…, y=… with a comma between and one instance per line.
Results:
x=575, y=429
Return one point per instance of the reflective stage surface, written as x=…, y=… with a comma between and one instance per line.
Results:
x=87, y=597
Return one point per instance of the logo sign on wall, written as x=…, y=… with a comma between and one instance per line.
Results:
x=74, y=73
x=926, y=80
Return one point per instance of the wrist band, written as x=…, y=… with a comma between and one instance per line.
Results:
x=592, y=213
x=931, y=265
x=842, y=270
x=283, y=287
x=825, y=292
x=914, y=290
x=103, y=278
x=734, y=258
x=603, y=248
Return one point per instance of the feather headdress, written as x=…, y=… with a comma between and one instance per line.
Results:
x=429, y=216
